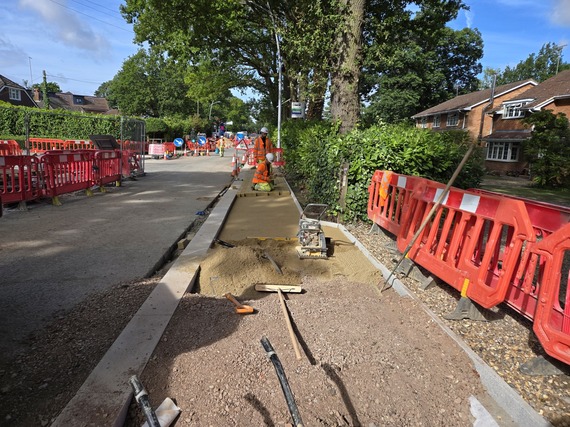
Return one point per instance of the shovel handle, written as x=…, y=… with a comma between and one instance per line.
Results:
x=232, y=299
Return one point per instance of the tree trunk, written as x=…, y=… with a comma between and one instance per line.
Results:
x=345, y=102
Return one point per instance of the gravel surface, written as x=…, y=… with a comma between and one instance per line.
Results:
x=505, y=343
x=355, y=370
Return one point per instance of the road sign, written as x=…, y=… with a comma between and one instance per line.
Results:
x=179, y=142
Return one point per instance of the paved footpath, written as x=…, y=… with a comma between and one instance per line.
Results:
x=53, y=257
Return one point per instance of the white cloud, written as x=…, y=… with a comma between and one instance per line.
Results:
x=560, y=14
x=469, y=17
x=66, y=26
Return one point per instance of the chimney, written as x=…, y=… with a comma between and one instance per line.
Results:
x=36, y=94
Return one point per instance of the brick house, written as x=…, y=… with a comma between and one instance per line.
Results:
x=466, y=112
x=507, y=132
x=73, y=102
x=15, y=94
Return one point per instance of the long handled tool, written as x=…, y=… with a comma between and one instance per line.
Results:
x=289, y=325
x=240, y=308
x=141, y=397
x=297, y=421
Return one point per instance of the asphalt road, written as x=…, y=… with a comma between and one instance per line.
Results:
x=53, y=257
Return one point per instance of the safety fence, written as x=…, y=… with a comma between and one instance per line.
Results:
x=24, y=178
x=9, y=147
x=493, y=249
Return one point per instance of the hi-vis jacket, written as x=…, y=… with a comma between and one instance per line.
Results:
x=262, y=173
x=260, y=148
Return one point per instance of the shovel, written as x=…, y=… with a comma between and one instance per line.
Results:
x=240, y=308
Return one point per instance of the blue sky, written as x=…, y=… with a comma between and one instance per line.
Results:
x=83, y=43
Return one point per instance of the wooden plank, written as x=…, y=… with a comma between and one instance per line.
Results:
x=262, y=287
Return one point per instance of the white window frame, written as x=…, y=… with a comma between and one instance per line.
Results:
x=498, y=151
x=452, y=119
x=437, y=121
x=424, y=122
x=15, y=94
x=513, y=110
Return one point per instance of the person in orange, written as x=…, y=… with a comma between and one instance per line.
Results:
x=263, y=177
x=262, y=145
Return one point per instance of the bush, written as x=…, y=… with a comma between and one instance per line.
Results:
x=315, y=152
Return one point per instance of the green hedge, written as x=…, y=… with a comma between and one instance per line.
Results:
x=314, y=152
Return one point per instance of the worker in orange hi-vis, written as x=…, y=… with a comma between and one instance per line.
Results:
x=263, y=177
x=262, y=146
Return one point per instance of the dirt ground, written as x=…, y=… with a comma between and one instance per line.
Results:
x=366, y=359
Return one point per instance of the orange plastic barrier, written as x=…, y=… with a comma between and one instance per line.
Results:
x=9, y=147
x=66, y=173
x=41, y=145
x=552, y=318
x=20, y=179
x=472, y=242
x=107, y=167
x=388, y=211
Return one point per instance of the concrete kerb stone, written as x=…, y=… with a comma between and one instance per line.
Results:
x=508, y=400
x=105, y=396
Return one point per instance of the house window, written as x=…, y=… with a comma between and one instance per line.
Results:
x=424, y=122
x=513, y=111
x=436, y=121
x=15, y=94
x=503, y=151
x=78, y=100
x=452, y=119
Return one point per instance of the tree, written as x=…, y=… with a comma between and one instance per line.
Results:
x=548, y=149
x=52, y=87
x=540, y=67
x=421, y=64
x=149, y=85
x=320, y=43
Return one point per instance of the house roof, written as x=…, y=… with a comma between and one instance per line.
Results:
x=82, y=103
x=470, y=100
x=4, y=81
x=557, y=87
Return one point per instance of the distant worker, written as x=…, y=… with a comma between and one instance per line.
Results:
x=263, y=176
x=262, y=146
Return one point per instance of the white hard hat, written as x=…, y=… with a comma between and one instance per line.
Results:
x=264, y=130
x=269, y=157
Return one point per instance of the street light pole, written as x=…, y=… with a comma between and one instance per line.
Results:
x=280, y=66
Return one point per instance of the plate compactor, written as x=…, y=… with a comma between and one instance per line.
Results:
x=314, y=244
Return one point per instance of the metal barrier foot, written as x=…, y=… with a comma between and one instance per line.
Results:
x=89, y=192
x=22, y=206
x=466, y=309
x=540, y=366
x=55, y=201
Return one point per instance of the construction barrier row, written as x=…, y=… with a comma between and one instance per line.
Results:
x=9, y=147
x=57, y=172
x=493, y=249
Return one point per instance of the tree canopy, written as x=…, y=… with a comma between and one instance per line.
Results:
x=538, y=66
x=324, y=46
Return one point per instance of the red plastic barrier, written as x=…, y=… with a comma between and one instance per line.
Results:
x=388, y=211
x=552, y=318
x=473, y=241
x=79, y=144
x=546, y=219
x=107, y=167
x=66, y=173
x=41, y=145
x=20, y=179
x=279, y=159
x=9, y=147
